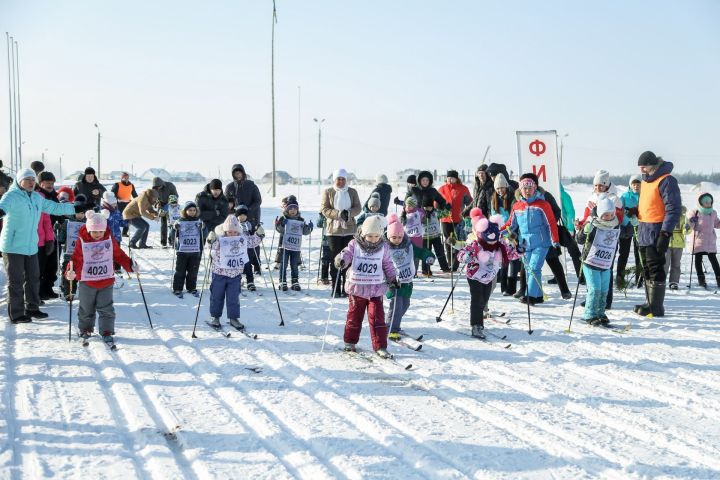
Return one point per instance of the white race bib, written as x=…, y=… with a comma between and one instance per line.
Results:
x=97, y=260
x=366, y=268
x=602, y=250
x=233, y=252
x=432, y=228
x=71, y=235
x=189, y=238
x=174, y=214
x=404, y=264
x=413, y=225
x=292, y=238
x=488, y=269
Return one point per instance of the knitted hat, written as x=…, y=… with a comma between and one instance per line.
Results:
x=89, y=171
x=411, y=179
x=46, y=176
x=635, y=179
x=374, y=200
x=704, y=196
x=380, y=178
x=602, y=177
x=475, y=215
x=95, y=222
x=411, y=202
x=109, y=198
x=373, y=225
x=80, y=199
x=172, y=199
x=603, y=206
x=482, y=168
x=124, y=175
x=452, y=174
x=530, y=176
x=215, y=184
x=394, y=227
x=241, y=210
x=340, y=173
x=231, y=224
x=500, y=181
x=23, y=174
x=37, y=166
x=647, y=159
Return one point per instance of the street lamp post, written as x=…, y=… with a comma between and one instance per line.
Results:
x=319, y=124
x=98, y=161
x=562, y=138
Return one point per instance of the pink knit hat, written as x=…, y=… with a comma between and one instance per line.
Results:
x=95, y=222
x=394, y=227
x=231, y=224
x=475, y=215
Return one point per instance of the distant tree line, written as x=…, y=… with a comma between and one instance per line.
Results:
x=687, y=178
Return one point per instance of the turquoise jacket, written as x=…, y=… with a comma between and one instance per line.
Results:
x=629, y=199
x=22, y=215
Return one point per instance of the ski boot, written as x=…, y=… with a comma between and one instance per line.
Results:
x=283, y=286
x=194, y=293
x=566, y=295
x=178, y=293
x=235, y=323
x=85, y=334
x=325, y=281
x=604, y=320
x=701, y=281
x=349, y=347
x=594, y=321
x=251, y=287
x=477, y=332
x=295, y=285
x=383, y=353
x=214, y=322
x=107, y=337
x=394, y=336
x=673, y=286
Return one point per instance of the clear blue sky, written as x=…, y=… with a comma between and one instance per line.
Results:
x=186, y=84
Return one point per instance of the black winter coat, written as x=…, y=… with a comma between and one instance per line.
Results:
x=385, y=192
x=213, y=211
x=86, y=189
x=244, y=192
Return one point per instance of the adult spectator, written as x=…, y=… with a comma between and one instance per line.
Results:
x=37, y=166
x=340, y=204
x=124, y=191
x=213, y=206
x=5, y=181
x=659, y=210
x=457, y=197
x=533, y=223
x=483, y=185
x=164, y=191
x=242, y=191
x=501, y=203
x=411, y=183
x=492, y=171
x=90, y=186
x=47, y=258
x=429, y=199
x=384, y=190
x=139, y=207
x=21, y=207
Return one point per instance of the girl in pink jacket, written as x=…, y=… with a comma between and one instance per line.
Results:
x=704, y=221
x=370, y=269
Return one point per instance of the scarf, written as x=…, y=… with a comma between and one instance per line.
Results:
x=605, y=225
x=705, y=211
x=341, y=202
x=368, y=247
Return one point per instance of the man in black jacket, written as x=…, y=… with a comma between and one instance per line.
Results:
x=212, y=205
x=164, y=190
x=242, y=191
x=90, y=187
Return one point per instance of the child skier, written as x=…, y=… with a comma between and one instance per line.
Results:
x=704, y=221
x=188, y=247
x=325, y=256
x=174, y=212
x=485, y=256
x=92, y=266
x=403, y=254
x=291, y=227
x=228, y=257
x=112, y=214
x=254, y=237
x=600, y=235
x=370, y=268
x=67, y=237
x=373, y=208
x=675, y=250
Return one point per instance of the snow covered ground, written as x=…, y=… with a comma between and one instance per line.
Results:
x=587, y=404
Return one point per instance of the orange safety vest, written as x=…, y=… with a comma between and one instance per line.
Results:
x=651, y=208
x=124, y=193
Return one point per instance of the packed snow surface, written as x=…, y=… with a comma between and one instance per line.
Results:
x=589, y=403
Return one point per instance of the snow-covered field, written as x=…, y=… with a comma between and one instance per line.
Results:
x=587, y=404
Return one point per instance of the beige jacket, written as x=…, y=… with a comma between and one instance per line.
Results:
x=330, y=213
x=142, y=206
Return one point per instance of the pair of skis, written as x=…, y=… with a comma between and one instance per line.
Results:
x=221, y=329
x=85, y=341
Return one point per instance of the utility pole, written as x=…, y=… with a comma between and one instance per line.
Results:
x=17, y=111
x=272, y=82
x=319, y=124
x=98, y=145
x=10, y=102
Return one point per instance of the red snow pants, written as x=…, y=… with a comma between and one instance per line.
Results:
x=376, y=319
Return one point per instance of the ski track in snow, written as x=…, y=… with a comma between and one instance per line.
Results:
x=590, y=403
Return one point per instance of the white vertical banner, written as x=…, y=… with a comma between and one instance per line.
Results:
x=538, y=153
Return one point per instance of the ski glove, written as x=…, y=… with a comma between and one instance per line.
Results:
x=430, y=260
x=260, y=231
x=344, y=215
x=394, y=284
x=662, y=243
x=49, y=248
x=211, y=237
x=339, y=263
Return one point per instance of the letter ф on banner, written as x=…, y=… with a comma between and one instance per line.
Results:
x=537, y=153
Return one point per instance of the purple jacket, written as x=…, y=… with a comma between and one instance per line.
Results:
x=374, y=290
x=648, y=232
x=704, y=226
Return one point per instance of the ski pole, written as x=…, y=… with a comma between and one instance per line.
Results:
x=272, y=282
x=208, y=266
x=272, y=242
x=309, y=273
x=392, y=310
x=452, y=289
x=70, y=306
x=692, y=258
x=527, y=293
x=142, y=292
x=577, y=287
x=332, y=303
x=452, y=278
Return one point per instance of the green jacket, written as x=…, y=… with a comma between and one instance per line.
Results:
x=682, y=229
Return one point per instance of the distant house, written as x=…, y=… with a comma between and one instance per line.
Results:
x=402, y=175
x=75, y=176
x=156, y=172
x=281, y=177
x=187, y=177
x=114, y=175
